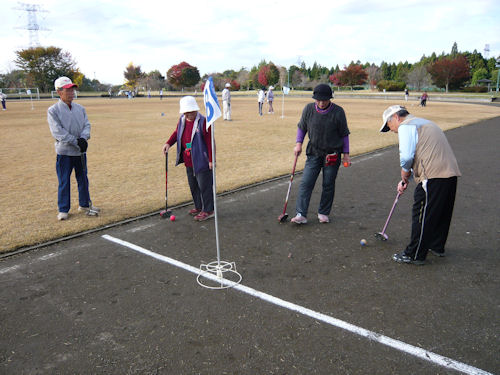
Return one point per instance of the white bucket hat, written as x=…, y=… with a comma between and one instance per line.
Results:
x=188, y=104
x=388, y=113
x=228, y=85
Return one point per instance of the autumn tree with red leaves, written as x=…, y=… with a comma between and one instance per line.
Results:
x=450, y=72
x=183, y=75
x=335, y=79
x=351, y=75
x=263, y=73
x=268, y=75
x=235, y=85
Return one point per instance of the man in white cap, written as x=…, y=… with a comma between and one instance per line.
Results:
x=194, y=149
x=70, y=127
x=425, y=153
x=226, y=102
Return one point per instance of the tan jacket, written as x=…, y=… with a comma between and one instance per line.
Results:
x=433, y=157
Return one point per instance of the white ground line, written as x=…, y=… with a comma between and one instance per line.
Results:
x=393, y=343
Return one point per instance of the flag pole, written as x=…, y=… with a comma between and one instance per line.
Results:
x=214, y=184
x=283, y=106
x=217, y=274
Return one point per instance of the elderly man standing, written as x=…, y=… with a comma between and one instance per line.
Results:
x=70, y=127
x=226, y=102
x=425, y=151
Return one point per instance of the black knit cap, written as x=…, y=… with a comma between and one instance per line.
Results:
x=322, y=92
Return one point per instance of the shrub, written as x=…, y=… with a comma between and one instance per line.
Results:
x=390, y=85
x=474, y=89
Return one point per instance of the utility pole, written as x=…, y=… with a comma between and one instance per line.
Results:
x=33, y=27
x=497, y=65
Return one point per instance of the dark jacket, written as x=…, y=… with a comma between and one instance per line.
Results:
x=199, y=150
x=326, y=130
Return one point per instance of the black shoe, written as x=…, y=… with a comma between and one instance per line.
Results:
x=403, y=258
x=437, y=253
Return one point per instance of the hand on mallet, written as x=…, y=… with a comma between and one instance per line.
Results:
x=165, y=148
x=403, y=184
x=297, y=150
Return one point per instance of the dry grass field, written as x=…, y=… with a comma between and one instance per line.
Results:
x=126, y=166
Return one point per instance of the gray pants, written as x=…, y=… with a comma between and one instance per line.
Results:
x=201, y=189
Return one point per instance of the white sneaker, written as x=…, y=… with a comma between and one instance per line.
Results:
x=86, y=209
x=62, y=216
x=323, y=218
x=299, y=219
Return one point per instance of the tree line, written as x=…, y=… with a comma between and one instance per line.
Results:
x=40, y=66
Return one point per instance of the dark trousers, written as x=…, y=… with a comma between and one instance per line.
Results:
x=431, y=216
x=3, y=104
x=201, y=186
x=64, y=167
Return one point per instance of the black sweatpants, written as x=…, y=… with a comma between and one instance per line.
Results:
x=431, y=216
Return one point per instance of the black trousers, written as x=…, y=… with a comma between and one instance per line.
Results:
x=431, y=216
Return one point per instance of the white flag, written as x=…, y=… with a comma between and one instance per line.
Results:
x=211, y=104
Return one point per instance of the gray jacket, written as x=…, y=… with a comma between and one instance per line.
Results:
x=67, y=125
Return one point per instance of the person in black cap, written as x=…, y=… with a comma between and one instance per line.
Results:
x=326, y=125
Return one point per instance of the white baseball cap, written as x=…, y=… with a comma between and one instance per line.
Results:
x=388, y=113
x=228, y=85
x=188, y=104
x=64, y=83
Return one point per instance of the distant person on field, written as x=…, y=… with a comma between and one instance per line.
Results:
x=226, y=102
x=270, y=98
x=194, y=149
x=110, y=92
x=4, y=99
x=406, y=95
x=326, y=125
x=423, y=99
x=261, y=96
x=424, y=152
x=161, y=94
x=70, y=127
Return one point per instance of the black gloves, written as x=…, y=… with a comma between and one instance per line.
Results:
x=82, y=143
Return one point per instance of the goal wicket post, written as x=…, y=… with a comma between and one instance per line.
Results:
x=31, y=93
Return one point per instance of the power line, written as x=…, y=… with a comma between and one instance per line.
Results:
x=32, y=26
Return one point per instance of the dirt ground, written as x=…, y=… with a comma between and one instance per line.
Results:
x=91, y=306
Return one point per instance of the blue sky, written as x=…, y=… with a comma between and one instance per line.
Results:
x=105, y=36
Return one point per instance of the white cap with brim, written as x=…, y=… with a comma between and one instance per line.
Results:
x=227, y=85
x=64, y=83
x=188, y=104
x=388, y=113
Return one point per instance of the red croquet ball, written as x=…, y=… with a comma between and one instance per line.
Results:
x=172, y=218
